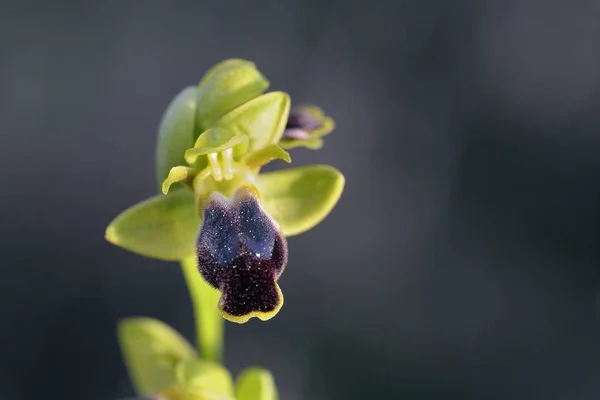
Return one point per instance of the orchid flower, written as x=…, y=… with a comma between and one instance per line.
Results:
x=218, y=214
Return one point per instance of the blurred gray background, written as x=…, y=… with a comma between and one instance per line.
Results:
x=462, y=261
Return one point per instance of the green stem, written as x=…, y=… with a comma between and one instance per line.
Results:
x=209, y=323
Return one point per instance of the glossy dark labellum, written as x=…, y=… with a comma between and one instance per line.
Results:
x=300, y=124
x=242, y=252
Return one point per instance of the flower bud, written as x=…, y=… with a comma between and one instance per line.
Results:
x=305, y=127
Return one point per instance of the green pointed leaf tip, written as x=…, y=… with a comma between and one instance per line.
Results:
x=213, y=141
x=175, y=133
x=200, y=377
x=151, y=350
x=262, y=119
x=226, y=86
x=256, y=384
x=162, y=227
x=299, y=198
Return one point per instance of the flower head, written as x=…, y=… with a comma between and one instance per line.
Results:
x=216, y=203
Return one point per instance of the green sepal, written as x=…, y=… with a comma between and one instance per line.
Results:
x=216, y=140
x=177, y=174
x=198, y=377
x=300, y=198
x=175, y=133
x=151, y=351
x=265, y=155
x=226, y=86
x=256, y=384
x=162, y=227
x=262, y=119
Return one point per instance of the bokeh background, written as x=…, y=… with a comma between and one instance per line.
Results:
x=462, y=262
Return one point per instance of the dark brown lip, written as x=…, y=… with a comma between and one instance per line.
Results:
x=242, y=253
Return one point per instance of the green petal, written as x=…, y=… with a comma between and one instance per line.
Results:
x=226, y=86
x=175, y=133
x=261, y=157
x=151, y=350
x=256, y=384
x=202, y=377
x=263, y=119
x=300, y=198
x=177, y=174
x=163, y=227
x=213, y=141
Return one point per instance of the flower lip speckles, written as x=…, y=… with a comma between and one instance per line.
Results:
x=242, y=252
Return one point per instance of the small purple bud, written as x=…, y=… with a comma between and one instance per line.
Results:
x=302, y=118
x=242, y=252
x=300, y=124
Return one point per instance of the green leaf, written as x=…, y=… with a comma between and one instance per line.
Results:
x=226, y=86
x=213, y=141
x=177, y=174
x=263, y=156
x=152, y=350
x=256, y=384
x=202, y=377
x=300, y=198
x=175, y=133
x=163, y=227
x=262, y=119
